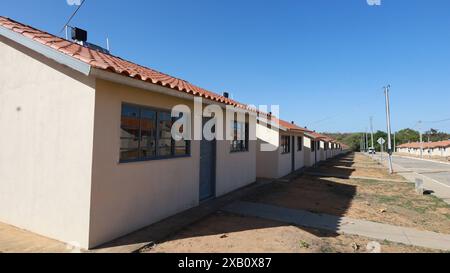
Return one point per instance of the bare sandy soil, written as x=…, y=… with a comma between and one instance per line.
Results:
x=385, y=202
x=357, y=165
x=393, y=203
x=227, y=233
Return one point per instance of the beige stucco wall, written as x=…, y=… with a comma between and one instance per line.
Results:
x=46, y=116
x=321, y=152
x=275, y=164
x=267, y=161
x=299, y=155
x=308, y=153
x=284, y=160
x=126, y=197
x=235, y=170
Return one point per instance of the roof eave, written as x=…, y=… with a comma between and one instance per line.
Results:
x=47, y=51
x=121, y=79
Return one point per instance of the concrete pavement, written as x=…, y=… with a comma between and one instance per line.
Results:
x=435, y=175
x=343, y=225
x=432, y=169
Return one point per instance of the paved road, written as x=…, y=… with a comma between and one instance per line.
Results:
x=434, y=170
x=436, y=175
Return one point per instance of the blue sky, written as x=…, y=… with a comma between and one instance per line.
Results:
x=323, y=61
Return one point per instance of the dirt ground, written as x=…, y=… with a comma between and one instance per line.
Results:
x=384, y=202
x=357, y=165
x=227, y=233
x=393, y=203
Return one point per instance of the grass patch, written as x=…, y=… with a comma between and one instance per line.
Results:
x=386, y=199
x=368, y=182
x=304, y=244
x=437, y=202
x=327, y=249
x=411, y=205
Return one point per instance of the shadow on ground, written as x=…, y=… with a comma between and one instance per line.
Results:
x=298, y=192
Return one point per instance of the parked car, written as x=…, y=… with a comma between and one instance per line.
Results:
x=372, y=151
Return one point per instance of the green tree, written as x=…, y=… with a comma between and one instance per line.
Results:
x=406, y=136
x=353, y=140
x=434, y=135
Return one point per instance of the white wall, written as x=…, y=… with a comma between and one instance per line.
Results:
x=275, y=164
x=321, y=152
x=235, y=170
x=126, y=197
x=47, y=117
x=267, y=162
x=299, y=155
x=285, y=160
x=309, y=155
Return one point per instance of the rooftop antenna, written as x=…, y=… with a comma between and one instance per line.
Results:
x=71, y=17
x=107, y=44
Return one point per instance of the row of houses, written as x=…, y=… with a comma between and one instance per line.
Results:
x=87, y=150
x=438, y=149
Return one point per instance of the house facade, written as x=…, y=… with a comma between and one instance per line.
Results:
x=310, y=153
x=428, y=149
x=90, y=155
x=280, y=149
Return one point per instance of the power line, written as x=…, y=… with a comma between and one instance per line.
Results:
x=73, y=15
x=437, y=121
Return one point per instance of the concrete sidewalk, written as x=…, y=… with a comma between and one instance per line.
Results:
x=343, y=225
x=422, y=159
x=440, y=190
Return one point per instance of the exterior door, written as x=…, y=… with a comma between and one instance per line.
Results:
x=293, y=148
x=207, y=168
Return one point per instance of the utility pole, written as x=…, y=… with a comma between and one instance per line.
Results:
x=395, y=142
x=371, y=129
x=361, y=143
x=367, y=141
x=421, y=139
x=381, y=152
x=388, y=121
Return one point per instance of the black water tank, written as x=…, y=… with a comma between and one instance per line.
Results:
x=79, y=34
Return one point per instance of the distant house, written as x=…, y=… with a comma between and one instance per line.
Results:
x=88, y=155
x=316, y=145
x=310, y=153
x=319, y=147
x=430, y=149
x=284, y=151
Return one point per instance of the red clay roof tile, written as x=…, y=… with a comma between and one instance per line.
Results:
x=112, y=63
x=426, y=145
